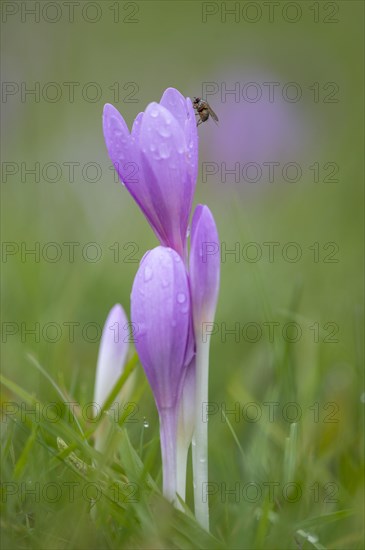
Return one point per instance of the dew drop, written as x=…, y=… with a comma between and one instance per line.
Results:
x=146, y=423
x=164, y=131
x=147, y=274
x=181, y=297
x=164, y=150
x=165, y=283
x=154, y=113
x=141, y=329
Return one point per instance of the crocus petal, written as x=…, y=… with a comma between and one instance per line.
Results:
x=163, y=145
x=191, y=136
x=160, y=310
x=204, y=266
x=175, y=102
x=112, y=354
x=120, y=146
x=158, y=163
x=182, y=109
x=136, y=128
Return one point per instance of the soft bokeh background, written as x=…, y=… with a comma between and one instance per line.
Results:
x=168, y=44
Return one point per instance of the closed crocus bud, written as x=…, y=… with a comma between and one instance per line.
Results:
x=160, y=311
x=204, y=267
x=113, y=351
x=158, y=163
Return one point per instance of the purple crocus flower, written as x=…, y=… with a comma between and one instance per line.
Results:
x=160, y=310
x=204, y=269
x=162, y=154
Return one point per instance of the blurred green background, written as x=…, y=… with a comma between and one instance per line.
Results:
x=136, y=50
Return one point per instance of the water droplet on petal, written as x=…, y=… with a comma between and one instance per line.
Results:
x=141, y=329
x=154, y=113
x=164, y=131
x=147, y=273
x=146, y=423
x=165, y=283
x=181, y=297
x=164, y=150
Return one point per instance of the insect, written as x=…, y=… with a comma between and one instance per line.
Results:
x=203, y=110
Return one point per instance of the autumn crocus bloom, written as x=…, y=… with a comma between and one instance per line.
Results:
x=158, y=163
x=160, y=311
x=112, y=355
x=204, y=276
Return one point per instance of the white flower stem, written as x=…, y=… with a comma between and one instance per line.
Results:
x=182, y=458
x=200, y=454
x=185, y=429
x=168, y=452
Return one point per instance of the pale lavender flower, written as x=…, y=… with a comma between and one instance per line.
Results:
x=160, y=310
x=113, y=351
x=112, y=356
x=204, y=278
x=204, y=266
x=158, y=163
